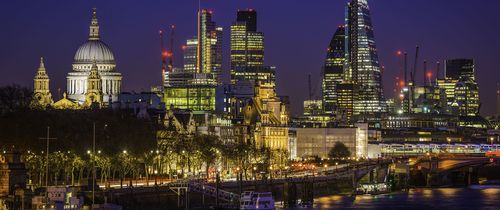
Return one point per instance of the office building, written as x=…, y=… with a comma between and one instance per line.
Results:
x=190, y=55
x=461, y=91
x=333, y=70
x=247, y=48
x=197, y=95
x=467, y=97
x=254, y=74
x=209, y=50
x=347, y=94
x=363, y=66
x=459, y=68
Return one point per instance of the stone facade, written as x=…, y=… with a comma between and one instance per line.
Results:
x=12, y=173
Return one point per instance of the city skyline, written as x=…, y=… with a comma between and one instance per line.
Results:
x=141, y=56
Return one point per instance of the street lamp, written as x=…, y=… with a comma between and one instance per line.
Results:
x=492, y=139
x=156, y=176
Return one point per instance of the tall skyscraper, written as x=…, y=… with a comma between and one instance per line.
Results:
x=363, y=67
x=247, y=49
x=209, y=50
x=333, y=70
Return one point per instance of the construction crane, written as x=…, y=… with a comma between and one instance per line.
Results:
x=424, y=73
x=406, y=68
x=163, y=60
x=414, y=73
x=171, y=53
x=438, y=69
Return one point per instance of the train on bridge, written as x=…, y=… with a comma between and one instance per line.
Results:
x=420, y=149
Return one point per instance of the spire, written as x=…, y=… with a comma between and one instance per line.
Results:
x=94, y=26
x=42, y=65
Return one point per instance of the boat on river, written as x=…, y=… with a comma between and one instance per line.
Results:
x=250, y=200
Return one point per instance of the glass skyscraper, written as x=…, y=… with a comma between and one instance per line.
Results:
x=333, y=70
x=363, y=67
x=209, y=50
x=247, y=48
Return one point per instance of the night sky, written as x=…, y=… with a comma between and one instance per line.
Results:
x=297, y=34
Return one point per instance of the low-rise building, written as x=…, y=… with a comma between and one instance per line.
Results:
x=319, y=141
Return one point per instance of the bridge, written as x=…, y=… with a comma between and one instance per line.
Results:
x=228, y=192
x=446, y=164
x=438, y=169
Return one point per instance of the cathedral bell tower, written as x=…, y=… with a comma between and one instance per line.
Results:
x=41, y=92
x=94, y=87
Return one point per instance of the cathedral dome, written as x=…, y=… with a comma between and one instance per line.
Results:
x=94, y=50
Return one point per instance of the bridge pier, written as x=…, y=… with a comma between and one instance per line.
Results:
x=289, y=194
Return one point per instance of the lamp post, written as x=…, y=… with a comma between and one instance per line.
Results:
x=156, y=176
x=253, y=173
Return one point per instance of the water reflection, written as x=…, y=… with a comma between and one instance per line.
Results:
x=426, y=199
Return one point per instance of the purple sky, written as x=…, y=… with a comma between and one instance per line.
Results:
x=296, y=32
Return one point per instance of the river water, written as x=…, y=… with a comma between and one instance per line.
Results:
x=417, y=199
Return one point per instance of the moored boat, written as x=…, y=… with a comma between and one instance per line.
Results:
x=250, y=200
